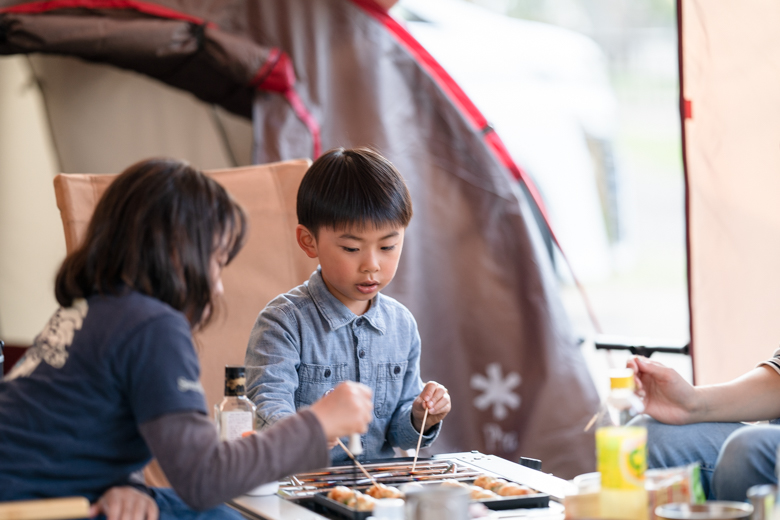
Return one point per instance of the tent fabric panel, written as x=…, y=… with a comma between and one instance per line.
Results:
x=731, y=70
x=475, y=272
x=103, y=119
x=217, y=67
x=164, y=42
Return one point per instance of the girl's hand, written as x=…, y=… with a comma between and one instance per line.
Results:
x=125, y=503
x=348, y=409
x=667, y=396
x=436, y=399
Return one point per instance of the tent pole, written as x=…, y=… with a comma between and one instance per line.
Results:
x=38, y=83
x=223, y=137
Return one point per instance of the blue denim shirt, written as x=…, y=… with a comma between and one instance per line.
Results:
x=306, y=341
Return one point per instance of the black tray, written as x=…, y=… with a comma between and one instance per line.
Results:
x=517, y=502
x=340, y=509
x=514, y=502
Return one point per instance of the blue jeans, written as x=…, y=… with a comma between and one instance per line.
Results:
x=733, y=456
x=172, y=507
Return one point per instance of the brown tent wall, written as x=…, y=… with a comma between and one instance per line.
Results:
x=475, y=272
x=730, y=56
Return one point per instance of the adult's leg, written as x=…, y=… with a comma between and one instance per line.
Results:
x=172, y=507
x=747, y=458
x=670, y=445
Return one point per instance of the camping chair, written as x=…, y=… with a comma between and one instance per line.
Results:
x=45, y=509
x=270, y=263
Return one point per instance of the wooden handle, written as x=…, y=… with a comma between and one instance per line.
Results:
x=45, y=509
x=359, y=465
x=419, y=439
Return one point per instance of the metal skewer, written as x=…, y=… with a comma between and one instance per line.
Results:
x=419, y=439
x=359, y=465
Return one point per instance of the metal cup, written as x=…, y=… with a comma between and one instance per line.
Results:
x=762, y=498
x=711, y=510
x=438, y=503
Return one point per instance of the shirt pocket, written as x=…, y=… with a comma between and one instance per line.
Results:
x=389, y=386
x=315, y=380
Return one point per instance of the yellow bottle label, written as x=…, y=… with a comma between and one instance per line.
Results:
x=621, y=454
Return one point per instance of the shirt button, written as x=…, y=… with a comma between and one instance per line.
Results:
x=362, y=354
x=359, y=322
x=327, y=372
x=396, y=370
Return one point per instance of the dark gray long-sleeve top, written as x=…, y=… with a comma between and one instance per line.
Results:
x=205, y=471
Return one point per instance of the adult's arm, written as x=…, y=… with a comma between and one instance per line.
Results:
x=206, y=472
x=672, y=400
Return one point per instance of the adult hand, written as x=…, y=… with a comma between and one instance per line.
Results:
x=348, y=409
x=125, y=503
x=436, y=399
x=667, y=396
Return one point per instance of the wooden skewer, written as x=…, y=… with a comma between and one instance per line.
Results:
x=359, y=465
x=419, y=439
x=590, y=423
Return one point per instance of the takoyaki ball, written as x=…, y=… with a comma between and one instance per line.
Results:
x=513, y=490
x=382, y=491
x=479, y=493
x=451, y=482
x=496, y=485
x=341, y=494
x=352, y=501
x=365, y=503
x=484, y=481
x=375, y=490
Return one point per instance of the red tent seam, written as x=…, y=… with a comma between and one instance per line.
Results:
x=686, y=112
x=276, y=74
x=134, y=5
x=474, y=116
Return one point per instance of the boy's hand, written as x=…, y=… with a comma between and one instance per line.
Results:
x=436, y=399
x=348, y=409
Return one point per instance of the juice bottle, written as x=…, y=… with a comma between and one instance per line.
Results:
x=621, y=452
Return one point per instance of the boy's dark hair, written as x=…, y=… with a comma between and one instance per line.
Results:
x=358, y=186
x=155, y=230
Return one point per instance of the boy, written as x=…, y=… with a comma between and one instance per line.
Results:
x=353, y=208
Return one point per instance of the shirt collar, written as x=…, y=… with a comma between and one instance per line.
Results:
x=336, y=313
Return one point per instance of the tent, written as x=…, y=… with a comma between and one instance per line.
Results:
x=729, y=76
x=316, y=75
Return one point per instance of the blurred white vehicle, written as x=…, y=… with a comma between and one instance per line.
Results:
x=546, y=92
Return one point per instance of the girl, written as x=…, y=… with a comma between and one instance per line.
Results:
x=113, y=379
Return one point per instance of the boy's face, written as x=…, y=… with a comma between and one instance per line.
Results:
x=356, y=262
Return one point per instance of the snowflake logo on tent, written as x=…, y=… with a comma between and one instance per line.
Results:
x=497, y=391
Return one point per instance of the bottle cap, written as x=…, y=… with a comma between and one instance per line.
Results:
x=621, y=378
x=235, y=380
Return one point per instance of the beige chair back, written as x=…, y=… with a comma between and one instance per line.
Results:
x=270, y=263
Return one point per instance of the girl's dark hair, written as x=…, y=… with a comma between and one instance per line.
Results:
x=358, y=186
x=155, y=230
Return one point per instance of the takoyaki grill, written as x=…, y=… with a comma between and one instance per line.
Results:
x=349, y=494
